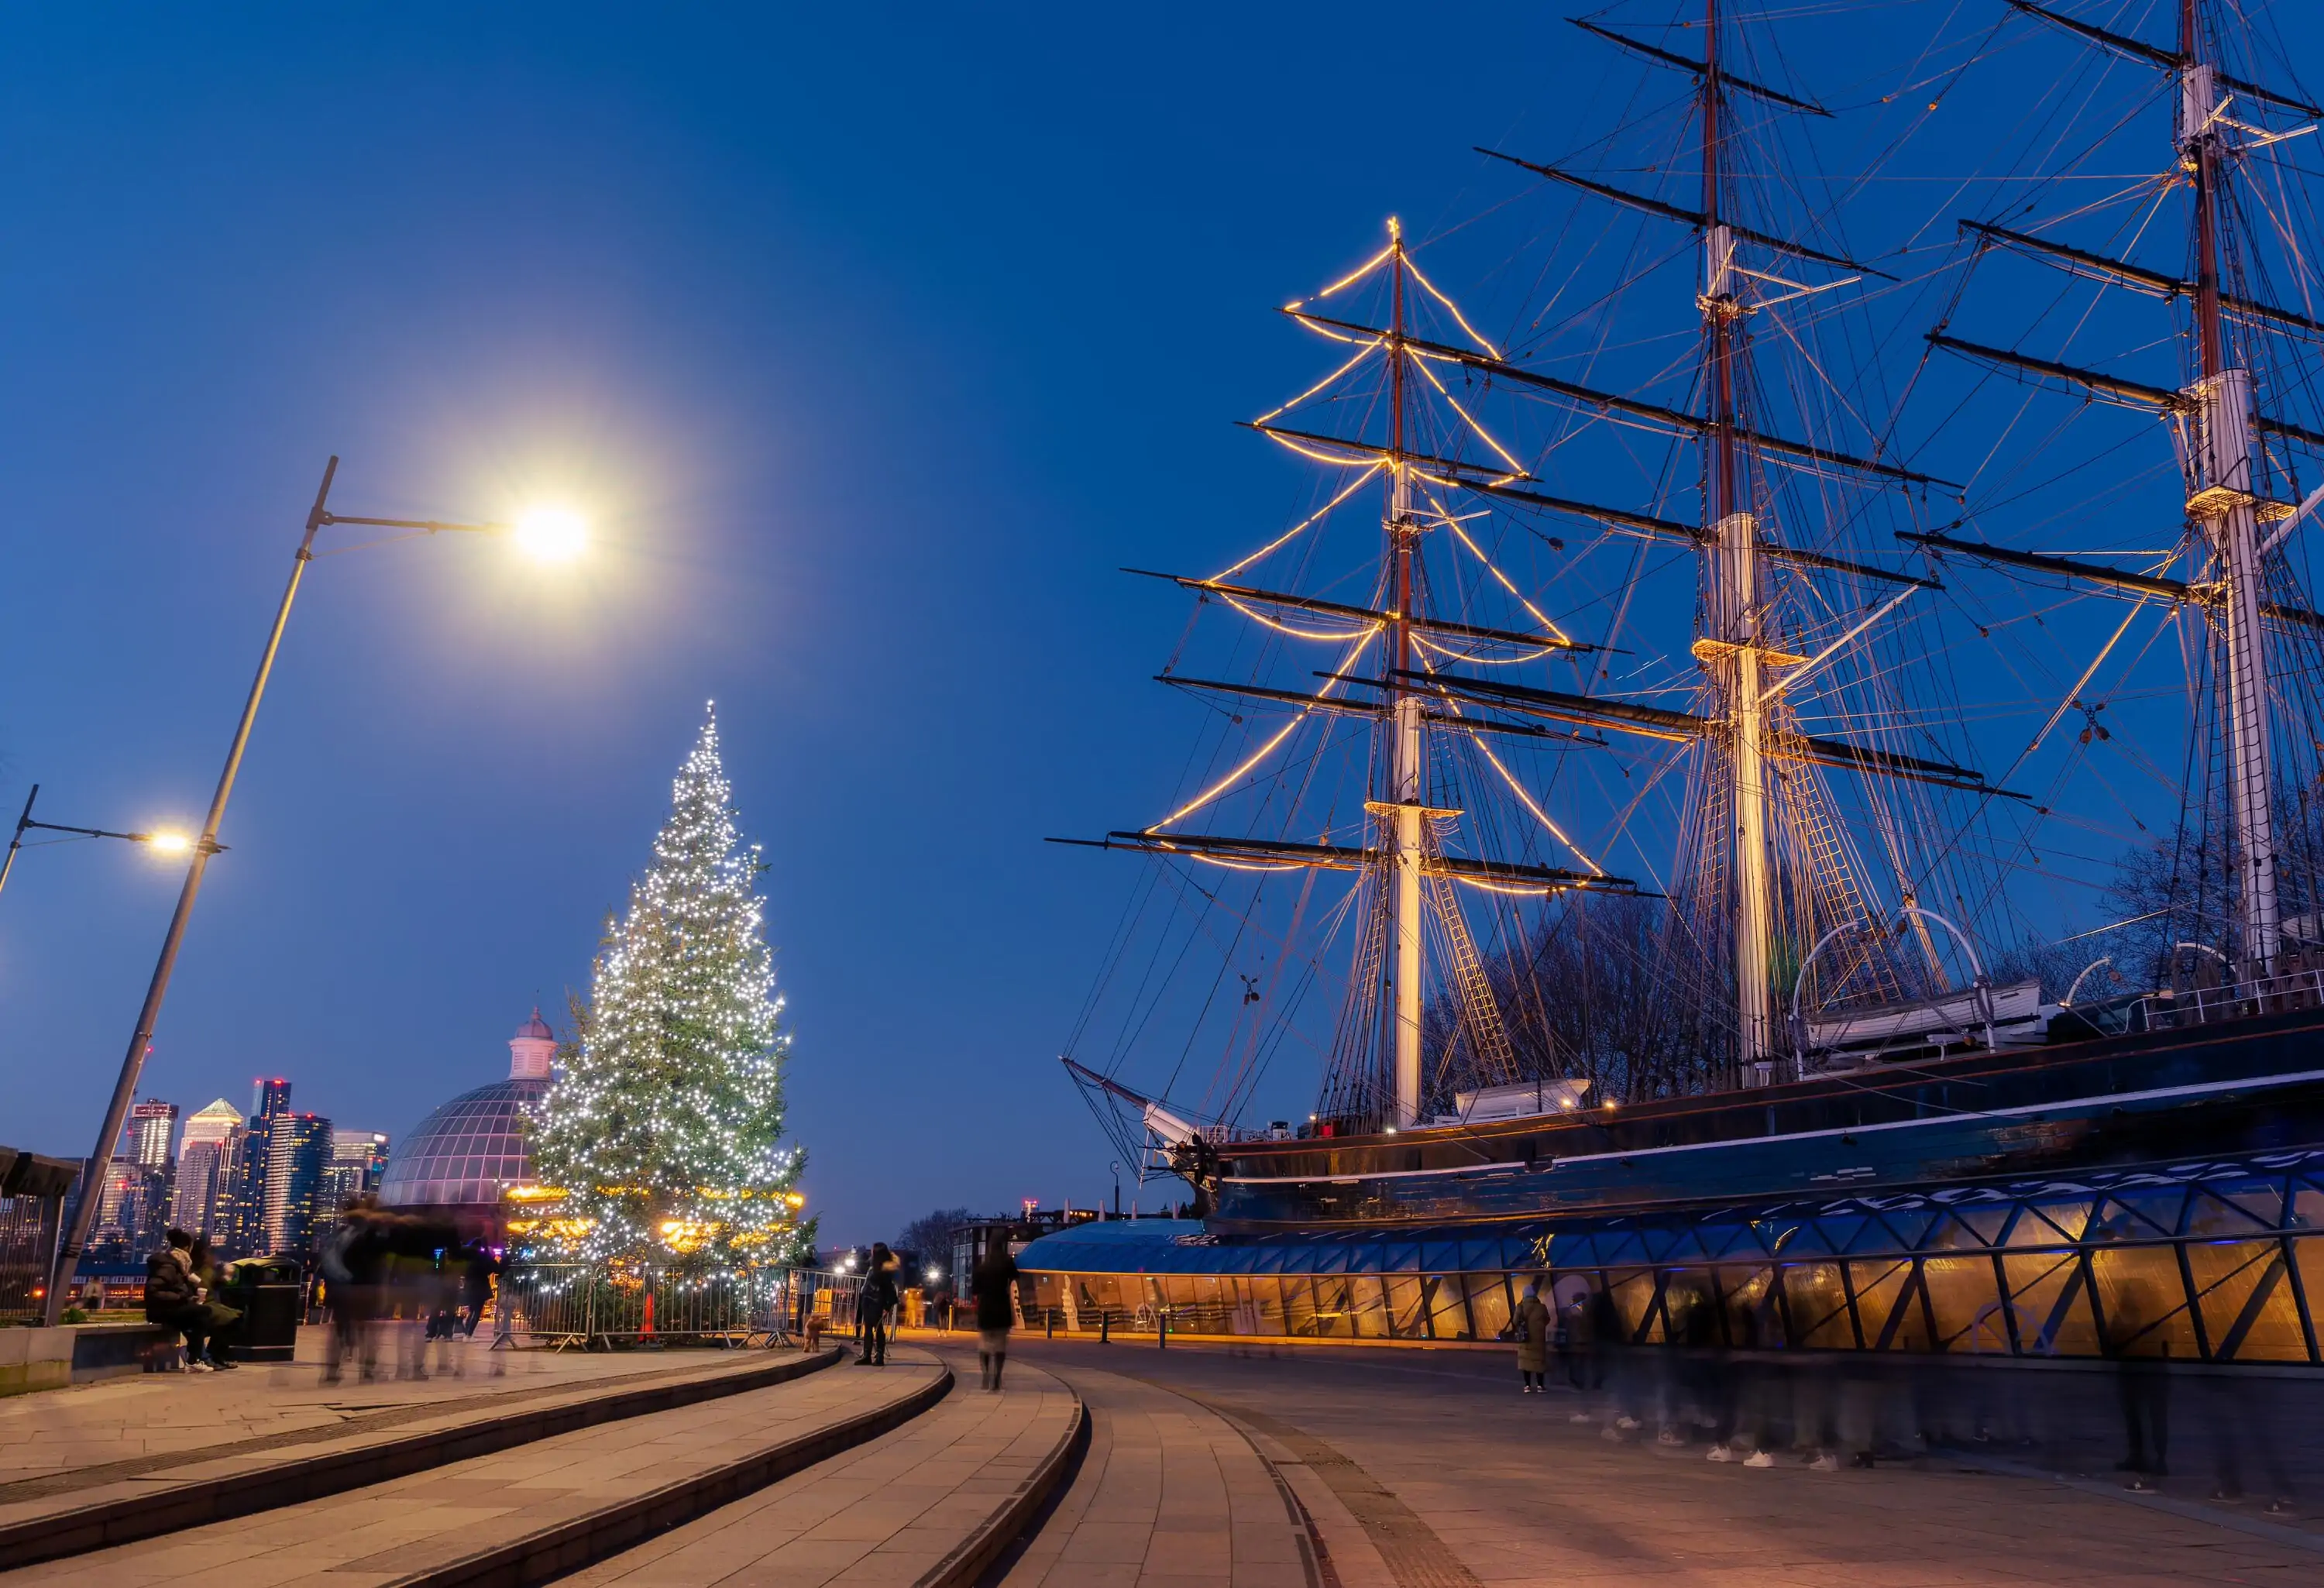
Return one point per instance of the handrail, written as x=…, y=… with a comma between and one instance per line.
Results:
x=2231, y=1001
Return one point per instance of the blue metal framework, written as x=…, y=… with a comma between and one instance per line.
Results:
x=2212, y=1261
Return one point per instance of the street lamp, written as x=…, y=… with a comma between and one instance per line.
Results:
x=161, y=841
x=546, y=532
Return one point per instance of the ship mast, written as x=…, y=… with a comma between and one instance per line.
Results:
x=2214, y=422
x=2225, y=502
x=1403, y=812
x=1735, y=612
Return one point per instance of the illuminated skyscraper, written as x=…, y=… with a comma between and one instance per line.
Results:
x=297, y=1151
x=239, y=1229
x=134, y=1205
x=147, y=1141
x=268, y=1098
x=359, y=1158
x=213, y=1125
x=203, y=1152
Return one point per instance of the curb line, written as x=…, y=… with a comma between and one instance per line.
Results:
x=553, y=1552
x=970, y=1558
x=128, y=1520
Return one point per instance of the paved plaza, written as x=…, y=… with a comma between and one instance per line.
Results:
x=1421, y=1469
x=1204, y=1463
x=887, y=1512
x=61, y=1441
x=387, y=1532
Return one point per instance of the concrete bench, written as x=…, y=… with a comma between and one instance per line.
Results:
x=82, y=1353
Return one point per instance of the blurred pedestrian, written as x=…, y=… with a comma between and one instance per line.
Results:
x=1609, y=1336
x=1748, y=1431
x=2242, y=1416
x=344, y=1290
x=995, y=1283
x=2142, y=1381
x=1581, y=1353
x=1532, y=1323
x=479, y=1267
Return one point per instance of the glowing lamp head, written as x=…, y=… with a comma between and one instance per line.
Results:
x=552, y=534
x=167, y=842
x=935, y=1274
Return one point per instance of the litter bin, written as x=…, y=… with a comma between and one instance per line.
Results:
x=268, y=1292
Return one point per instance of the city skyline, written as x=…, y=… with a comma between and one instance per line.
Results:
x=266, y=1182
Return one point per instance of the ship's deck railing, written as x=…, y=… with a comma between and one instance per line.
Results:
x=2201, y=1006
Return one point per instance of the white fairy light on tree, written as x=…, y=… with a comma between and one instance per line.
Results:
x=665, y=1127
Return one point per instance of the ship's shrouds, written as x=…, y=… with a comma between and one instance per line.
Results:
x=665, y=1129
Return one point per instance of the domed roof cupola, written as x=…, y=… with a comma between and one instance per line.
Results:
x=532, y=1050
x=466, y=1153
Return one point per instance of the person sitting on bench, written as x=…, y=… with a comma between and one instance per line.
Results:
x=173, y=1297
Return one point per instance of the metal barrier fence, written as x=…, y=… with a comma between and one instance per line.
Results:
x=28, y=1245
x=32, y=1191
x=583, y=1305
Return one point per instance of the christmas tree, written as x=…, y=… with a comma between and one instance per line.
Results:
x=665, y=1129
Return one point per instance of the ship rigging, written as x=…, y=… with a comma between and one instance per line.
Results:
x=1837, y=845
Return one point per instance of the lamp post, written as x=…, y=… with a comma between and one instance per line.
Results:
x=549, y=533
x=160, y=841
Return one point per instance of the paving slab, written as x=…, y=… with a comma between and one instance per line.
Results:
x=60, y=1439
x=544, y=1497
x=1168, y=1493
x=1444, y=1474
x=324, y=1444
x=905, y=1508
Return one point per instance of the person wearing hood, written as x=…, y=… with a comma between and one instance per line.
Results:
x=174, y=1298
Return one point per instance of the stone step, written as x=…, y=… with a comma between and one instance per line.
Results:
x=1169, y=1493
x=189, y=1485
x=530, y=1514
x=935, y=1503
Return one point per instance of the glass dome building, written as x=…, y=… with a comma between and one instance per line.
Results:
x=467, y=1152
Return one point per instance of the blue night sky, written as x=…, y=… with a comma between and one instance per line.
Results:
x=872, y=341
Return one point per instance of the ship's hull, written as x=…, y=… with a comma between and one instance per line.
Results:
x=2249, y=1085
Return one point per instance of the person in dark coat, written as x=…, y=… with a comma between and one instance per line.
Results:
x=1532, y=1323
x=223, y=1317
x=173, y=1297
x=878, y=1298
x=995, y=1284
x=479, y=1267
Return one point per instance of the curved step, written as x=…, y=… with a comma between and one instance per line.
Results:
x=1017, y=1515
x=161, y=1504
x=937, y=1503
x=551, y=1552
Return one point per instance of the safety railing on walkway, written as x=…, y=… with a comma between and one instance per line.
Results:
x=32, y=1191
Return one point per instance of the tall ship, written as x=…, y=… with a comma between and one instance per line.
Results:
x=1663, y=777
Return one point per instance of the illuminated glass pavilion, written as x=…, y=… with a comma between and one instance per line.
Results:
x=2211, y=1260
